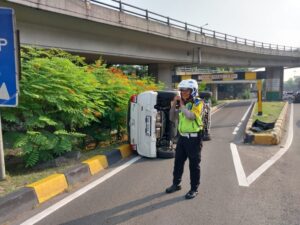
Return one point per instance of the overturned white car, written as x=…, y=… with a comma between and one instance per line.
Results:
x=151, y=133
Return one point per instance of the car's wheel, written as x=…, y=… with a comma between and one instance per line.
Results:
x=165, y=153
x=206, y=137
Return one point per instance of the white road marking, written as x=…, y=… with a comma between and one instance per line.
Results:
x=242, y=180
x=240, y=173
x=236, y=129
x=77, y=194
x=254, y=175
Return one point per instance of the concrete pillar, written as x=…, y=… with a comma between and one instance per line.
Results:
x=163, y=73
x=214, y=89
x=274, y=83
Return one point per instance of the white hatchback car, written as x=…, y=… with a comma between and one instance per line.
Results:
x=151, y=133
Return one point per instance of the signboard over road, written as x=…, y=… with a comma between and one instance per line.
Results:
x=221, y=76
x=8, y=59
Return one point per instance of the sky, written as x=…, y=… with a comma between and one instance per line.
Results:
x=269, y=21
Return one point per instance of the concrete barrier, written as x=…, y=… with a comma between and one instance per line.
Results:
x=125, y=150
x=96, y=163
x=77, y=174
x=49, y=187
x=17, y=202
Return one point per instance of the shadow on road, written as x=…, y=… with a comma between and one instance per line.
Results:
x=124, y=212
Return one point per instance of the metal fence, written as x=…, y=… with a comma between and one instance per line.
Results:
x=149, y=15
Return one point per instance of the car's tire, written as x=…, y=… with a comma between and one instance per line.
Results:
x=206, y=138
x=165, y=153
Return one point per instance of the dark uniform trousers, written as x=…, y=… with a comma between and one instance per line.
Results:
x=188, y=147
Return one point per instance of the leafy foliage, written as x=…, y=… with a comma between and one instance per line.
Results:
x=202, y=86
x=118, y=87
x=62, y=98
x=292, y=84
x=246, y=94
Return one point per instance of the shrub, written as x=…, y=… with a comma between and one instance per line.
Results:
x=62, y=99
x=118, y=88
x=57, y=97
x=246, y=94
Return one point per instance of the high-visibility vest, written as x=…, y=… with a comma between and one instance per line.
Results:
x=191, y=126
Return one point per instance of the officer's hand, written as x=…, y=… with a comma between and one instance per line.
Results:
x=177, y=99
x=174, y=101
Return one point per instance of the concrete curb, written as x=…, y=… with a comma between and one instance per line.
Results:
x=17, y=202
x=41, y=191
x=218, y=106
x=272, y=137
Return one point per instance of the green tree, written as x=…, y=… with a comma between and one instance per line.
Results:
x=297, y=81
x=290, y=85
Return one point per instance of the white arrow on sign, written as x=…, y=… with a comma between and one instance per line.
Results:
x=3, y=92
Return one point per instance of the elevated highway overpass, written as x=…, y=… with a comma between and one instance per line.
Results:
x=121, y=33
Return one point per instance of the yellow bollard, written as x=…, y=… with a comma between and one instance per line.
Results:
x=259, y=98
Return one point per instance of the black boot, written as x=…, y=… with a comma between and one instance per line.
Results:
x=173, y=188
x=191, y=194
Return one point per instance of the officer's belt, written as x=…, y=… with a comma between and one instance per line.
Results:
x=188, y=135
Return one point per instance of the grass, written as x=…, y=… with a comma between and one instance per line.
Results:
x=17, y=176
x=271, y=111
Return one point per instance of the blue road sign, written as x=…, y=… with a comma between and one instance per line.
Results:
x=8, y=59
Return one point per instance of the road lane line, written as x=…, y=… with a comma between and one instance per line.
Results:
x=77, y=194
x=245, y=115
x=240, y=173
x=236, y=129
x=254, y=175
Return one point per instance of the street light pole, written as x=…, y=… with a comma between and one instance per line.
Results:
x=201, y=27
x=204, y=25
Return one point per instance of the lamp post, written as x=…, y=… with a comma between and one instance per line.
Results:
x=204, y=25
x=201, y=27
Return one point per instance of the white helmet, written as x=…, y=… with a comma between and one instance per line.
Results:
x=189, y=84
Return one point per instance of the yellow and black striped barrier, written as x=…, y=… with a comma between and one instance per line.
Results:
x=226, y=76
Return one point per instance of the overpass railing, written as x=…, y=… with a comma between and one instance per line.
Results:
x=149, y=15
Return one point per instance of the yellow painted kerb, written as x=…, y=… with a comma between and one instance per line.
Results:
x=125, y=150
x=49, y=187
x=264, y=139
x=97, y=163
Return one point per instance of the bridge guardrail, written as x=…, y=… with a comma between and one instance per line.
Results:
x=149, y=15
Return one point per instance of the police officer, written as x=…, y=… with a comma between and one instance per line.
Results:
x=187, y=108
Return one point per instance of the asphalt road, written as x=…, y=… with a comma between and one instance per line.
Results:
x=136, y=195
